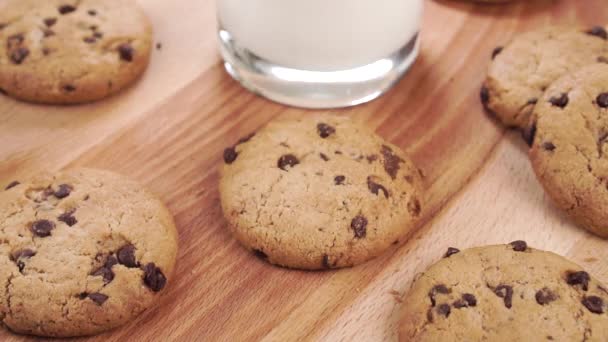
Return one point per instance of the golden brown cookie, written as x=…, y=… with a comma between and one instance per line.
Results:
x=505, y=293
x=69, y=51
x=81, y=252
x=319, y=192
x=522, y=70
x=569, y=151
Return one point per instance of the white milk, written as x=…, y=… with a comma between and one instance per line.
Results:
x=321, y=35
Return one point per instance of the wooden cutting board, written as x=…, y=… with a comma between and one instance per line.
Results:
x=169, y=132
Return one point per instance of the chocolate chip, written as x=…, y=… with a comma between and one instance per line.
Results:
x=111, y=261
x=98, y=35
x=602, y=100
x=325, y=262
x=323, y=156
x=93, y=27
x=359, y=226
x=126, y=52
x=11, y=185
x=441, y=289
x=375, y=188
x=579, y=278
x=339, y=180
x=505, y=292
x=82, y=295
x=325, y=130
x=497, y=51
x=484, y=95
x=391, y=161
x=63, y=191
x=594, y=304
x=287, y=161
x=598, y=31
x=529, y=134
x=89, y=40
x=467, y=300
x=154, y=277
x=48, y=33
x=50, y=21
x=106, y=273
x=3, y=92
x=19, y=55
x=413, y=207
x=560, y=101
x=15, y=40
x=532, y=101
x=545, y=296
x=372, y=158
x=519, y=246
x=451, y=251
x=42, y=228
x=46, y=51
x=22, y=254
x=98, y=298
x=68, y=218
x=3, y=25
x=260, y=254
x=602, y=59
x=245, y=138
x=444, y=310
x=126, y=256
x=549, y=146
x=159, y=46
x=92, y=12
x=230, y=155
x=69, y=88
x=65, y=9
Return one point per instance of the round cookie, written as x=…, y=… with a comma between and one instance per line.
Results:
x=505, y=293
x=69, y=51
x=81, y=252
x=521, y=71
x=570, y=149
x=319, y=192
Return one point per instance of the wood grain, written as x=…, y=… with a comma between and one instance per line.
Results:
x=170, y=129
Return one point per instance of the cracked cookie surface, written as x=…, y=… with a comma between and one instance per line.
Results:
x=81, y=252
x=71, y=51
x=522, y=70
x=319, y=192
x=505, y=293
x=570, y=148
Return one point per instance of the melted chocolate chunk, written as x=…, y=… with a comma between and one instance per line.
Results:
x=451, y=251
x=230, y=155
x=391, y=161
x=497, y=51
x=594, y=304
x=154, y=277
x=287, y=161
x=438, y=289
x=126, y=52
x=545, y=296
x=42, y=228
x=68, y=218
x=11, y=185
x=50, y=22
x=63, y=191
x=106, y=273
x=325, y=130
x=375, y=188
x=560, y=101
x=598, y=31
x=65, y=9
x=19, y=55
x=602, y=100
x=339, y=180
x=98, y=298
x=126, y=256
x=549, y=146
x=444, y=310
x=505, y=292
x=260, y=254
x=581, y=278
x=359, y=226
x=519, y=246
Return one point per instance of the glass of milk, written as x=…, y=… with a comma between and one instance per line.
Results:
x=319, y=53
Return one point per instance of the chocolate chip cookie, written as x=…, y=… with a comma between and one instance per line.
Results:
x=81, y=252
x=319, y=192
x=71, y=51
x=505, y=293
x=570, y=148
x=522, y=70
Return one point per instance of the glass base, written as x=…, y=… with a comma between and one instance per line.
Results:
x=315, y=89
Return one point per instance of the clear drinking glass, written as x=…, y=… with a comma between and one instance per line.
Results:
x=319, y=53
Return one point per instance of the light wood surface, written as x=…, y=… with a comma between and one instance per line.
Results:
x=169, y=132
